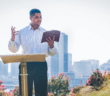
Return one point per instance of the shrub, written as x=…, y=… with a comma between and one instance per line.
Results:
x=60, y=85
x=2, y=92
x=96, y=79
x=16, y=91
x=50, y=94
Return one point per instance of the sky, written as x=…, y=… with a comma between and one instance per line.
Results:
x=86, y=22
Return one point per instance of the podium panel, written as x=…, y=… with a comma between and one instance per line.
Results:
x=23, y=58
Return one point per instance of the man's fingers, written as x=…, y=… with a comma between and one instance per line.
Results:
x=11, y=27
x=14, y=33
x=53, y=37
x=47, y=39
x=14, y=28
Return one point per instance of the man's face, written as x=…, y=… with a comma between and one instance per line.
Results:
x=36, y=19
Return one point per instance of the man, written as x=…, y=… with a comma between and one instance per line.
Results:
x=30, y=40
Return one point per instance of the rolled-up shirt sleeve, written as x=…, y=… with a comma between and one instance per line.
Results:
x=13, y=46
x=54, y=50
x=51, y=51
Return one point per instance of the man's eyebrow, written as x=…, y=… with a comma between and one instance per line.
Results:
x=37, y=16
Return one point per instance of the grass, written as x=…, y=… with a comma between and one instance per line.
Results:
x=90, y=91
x=104, y=91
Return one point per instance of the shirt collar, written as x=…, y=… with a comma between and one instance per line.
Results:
x=30, y=27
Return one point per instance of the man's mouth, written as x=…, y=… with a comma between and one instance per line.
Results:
x=39, y=21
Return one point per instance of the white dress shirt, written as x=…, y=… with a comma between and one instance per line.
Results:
x=30, y=40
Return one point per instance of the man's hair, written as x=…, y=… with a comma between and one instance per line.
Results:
x=33, y=11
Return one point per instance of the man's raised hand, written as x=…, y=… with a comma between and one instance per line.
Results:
x=13, y=33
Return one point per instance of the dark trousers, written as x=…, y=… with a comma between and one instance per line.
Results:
x=37, y=72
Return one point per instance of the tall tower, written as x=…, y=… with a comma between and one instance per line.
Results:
x=3, y=69
x=15, y=69
x=63, y=53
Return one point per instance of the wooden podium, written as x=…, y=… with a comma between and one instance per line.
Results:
x=23, y=58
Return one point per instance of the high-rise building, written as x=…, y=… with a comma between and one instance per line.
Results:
x=63, y=53
x=94, y=64
x=105, y=66
x=15, y=69
x=85, y=67
x=70, y=66
x=82, y=68
x=3, y=69
x=69, y=59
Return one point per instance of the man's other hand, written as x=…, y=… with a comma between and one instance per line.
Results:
x=51, y=42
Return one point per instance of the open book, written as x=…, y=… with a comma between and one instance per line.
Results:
x=51, y=34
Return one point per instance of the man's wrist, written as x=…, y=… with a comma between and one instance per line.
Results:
x=12, y=39
x=51, y=47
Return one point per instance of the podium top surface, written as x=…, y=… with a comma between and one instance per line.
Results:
x=33, y=57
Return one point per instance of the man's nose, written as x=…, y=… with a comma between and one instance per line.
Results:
x=40, y=19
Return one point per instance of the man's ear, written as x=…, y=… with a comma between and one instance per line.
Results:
x=30, y=18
